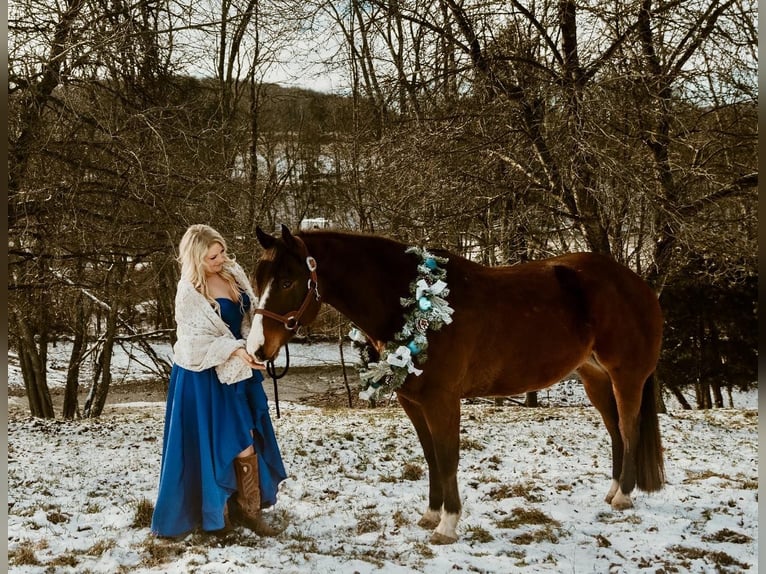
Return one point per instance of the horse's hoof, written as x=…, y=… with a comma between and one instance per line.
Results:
x=615, y=486
x=441, y=539
x=428, y=522
x=621, y=502
x=430, y=519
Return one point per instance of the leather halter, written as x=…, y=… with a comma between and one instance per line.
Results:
x=292, y=320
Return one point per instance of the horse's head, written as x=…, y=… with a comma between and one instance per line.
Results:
x=288, y=296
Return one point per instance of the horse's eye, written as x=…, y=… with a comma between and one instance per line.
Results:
x=287, y=283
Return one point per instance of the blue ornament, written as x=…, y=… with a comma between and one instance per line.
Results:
x=431, y=263
x=424, y=303
x=413, y=347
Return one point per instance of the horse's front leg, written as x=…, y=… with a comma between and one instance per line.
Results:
x=443, y=419
x=432, y=514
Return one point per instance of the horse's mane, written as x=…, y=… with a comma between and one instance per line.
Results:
x=331, y=234
x=365, y=267
x=381, y=243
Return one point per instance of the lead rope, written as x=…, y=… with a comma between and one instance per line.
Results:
x=272, y=372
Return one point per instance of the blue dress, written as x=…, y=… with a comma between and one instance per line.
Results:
x=207, y=424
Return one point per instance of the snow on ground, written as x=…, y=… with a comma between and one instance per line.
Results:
x=532, y=483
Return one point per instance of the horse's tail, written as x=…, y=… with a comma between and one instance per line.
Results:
x=650, y=468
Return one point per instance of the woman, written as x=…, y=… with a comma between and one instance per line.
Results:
x=218, y=437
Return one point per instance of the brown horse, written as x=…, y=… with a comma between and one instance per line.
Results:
x=514, y=329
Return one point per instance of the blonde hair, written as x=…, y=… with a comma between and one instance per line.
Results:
x=192, y=251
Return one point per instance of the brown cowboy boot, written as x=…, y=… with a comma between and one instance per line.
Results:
x=246, y=507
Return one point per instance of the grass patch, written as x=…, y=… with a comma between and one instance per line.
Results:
x=519, y=557
x=412, y=471
x=56, y=517
x=618, y=517
x=494, y=459
x=23, y=554
x=531, y=516
x=100, y=547
x=695, y=476
x=400, y=519
x=25, y=512
x=726, y=535
x=159, y=552
x=302, y=543
x=93, y=508
x=602, y=541
x=67, y=559
x=519, y=490
x=470, y=444
x=479, y=534
x=721, y=560
x=370, y=522
x=521, y=516
x=546, y=534
x=423, y=549
x=142, y=517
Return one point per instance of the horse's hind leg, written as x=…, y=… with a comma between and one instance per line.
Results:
x=432, y=514
x=642, y=459
x=598, y=387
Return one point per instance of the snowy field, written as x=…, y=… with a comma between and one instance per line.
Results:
x=532, y=483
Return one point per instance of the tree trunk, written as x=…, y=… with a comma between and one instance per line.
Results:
x=28, y=374
x=101, y=389
x=681, y=398
x=33, y=368
x=717, y=395
x=343, y=366
x=711, y=356
x=71, y=408
x=167, y=280
x=704, y=400
x=659, y=399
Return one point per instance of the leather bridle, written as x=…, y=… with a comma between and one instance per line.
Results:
x=292, y=320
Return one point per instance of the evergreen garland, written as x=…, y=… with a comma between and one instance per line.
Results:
x=425, y=309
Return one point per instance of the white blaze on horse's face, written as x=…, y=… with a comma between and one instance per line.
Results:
x=257, y=338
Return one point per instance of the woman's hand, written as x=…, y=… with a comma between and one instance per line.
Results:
x=249, y=359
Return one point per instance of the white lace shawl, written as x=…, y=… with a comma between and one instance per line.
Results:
x=204, y=339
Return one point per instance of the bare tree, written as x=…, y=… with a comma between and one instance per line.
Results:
x=506, y=131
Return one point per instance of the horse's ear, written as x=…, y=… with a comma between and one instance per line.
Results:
x=267, y=241
x=287, y=236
